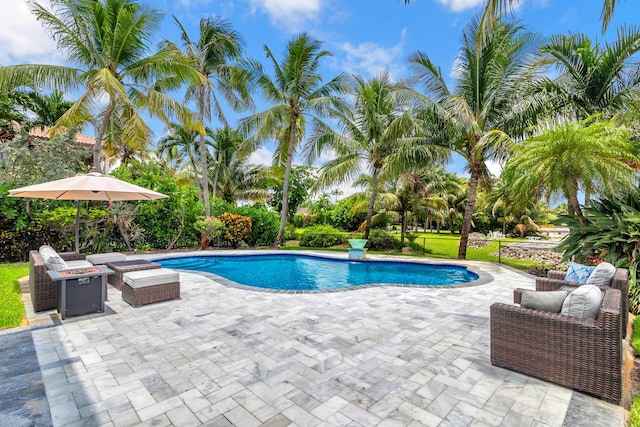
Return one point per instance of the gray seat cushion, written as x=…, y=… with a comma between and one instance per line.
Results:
x=98, y=259
x=80, y=263
x=144, y=278
x=550, y=301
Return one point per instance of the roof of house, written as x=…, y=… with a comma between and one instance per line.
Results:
x=44, y=132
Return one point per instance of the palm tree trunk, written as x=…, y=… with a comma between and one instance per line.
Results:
x=285, y=184
x=572, y=200
x=468, y=212
x=195, y=175
x=403, y=226
x=215, y=178
x=372, y=200
x=97, y=147
x=203, y=155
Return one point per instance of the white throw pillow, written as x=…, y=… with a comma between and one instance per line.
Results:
x=602, y=275
x=51, y=259
x=583, y=302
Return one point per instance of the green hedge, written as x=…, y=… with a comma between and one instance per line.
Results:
x=321, y=236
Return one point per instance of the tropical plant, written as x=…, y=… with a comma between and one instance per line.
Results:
x=402, y=196
x=236, y=228
x=47, y=108
x=494, y=73
x=321, y=236
x=373, y=136
x=298, y=97
x=211, y=55
x=181, y=144
x=610, y=233
x=210, y=229
x=109, y=42
x=566, y=158
x=264, y=224
x=301, y=179
x=593, y=78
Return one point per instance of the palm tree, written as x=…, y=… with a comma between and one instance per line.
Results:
x=402, y=196
x=298, y=96
x=226, y=143
x=218, y=44
x=108, y=41
x=490, y=100
x=47, y=108
x=497, y=8
x=570, y=157
x=593, y=78
x=182, y=144
x=374, y=137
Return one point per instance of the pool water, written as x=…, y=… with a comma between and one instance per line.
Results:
x=303, y=272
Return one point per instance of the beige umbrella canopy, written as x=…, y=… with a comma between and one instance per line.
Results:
x=90, y=186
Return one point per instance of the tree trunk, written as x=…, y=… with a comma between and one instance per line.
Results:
x=195, y=175
x=285, y=184
x=372, y=200
x=468, y=211
x=403, y=226
x=203, y=155
x=572, y=200
x=97, y=147
x=215, y=178
x=427, y=221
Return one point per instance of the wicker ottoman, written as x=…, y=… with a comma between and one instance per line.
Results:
x=123, y=267
x=149, y=286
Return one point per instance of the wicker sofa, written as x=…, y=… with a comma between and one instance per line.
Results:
x=44, y=290
x=579, y=353
x=555, y=280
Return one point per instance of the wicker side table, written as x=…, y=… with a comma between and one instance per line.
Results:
x=122, y=267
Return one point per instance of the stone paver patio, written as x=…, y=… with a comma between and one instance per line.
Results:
x=221, y=356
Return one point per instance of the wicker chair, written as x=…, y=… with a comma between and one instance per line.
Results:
x=555, y=280
x=582, y=354
x=44, y=290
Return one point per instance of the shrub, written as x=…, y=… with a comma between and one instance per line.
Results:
x=380, y=240
x=298, y=220
x=290, y=232
x=236, y=227
x=265, y=225
x=321, y=236
x=210, y=228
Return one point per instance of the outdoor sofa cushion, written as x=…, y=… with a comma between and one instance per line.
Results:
x=583, y=302
x=51, y=259
x=98, y=259
x=602, y=275
x=80, y=263
x=578, y=273
x=144, y=278
x=550, y=301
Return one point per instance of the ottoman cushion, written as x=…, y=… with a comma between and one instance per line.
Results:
x=97, y=259
x=144, y=278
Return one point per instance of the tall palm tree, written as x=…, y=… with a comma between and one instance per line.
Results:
x=298, y=97
x=489, y=103
x=108, y=42
x=48, y=108
x=594, y=78
x=403, y=196
x=226, y=143
x=182, y=144
x=212, y=55
x=373, y=137
x=570, y=157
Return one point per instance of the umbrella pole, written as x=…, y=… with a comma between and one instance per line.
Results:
x=78, y=226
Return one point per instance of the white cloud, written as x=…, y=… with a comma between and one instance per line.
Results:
x=289, y=13
x=460, y=5
x=188, y=3
x=262, y=156
x=23, y=39
x=369, y=58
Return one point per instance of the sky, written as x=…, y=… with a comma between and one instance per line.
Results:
x=365, y=37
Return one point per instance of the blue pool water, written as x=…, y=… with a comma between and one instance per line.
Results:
x=303, y=272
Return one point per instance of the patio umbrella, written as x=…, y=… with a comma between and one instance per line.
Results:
x=90, y=186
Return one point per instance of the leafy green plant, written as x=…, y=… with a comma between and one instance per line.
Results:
x=290, y=232
x=210, y=228
x=611, y=232
x=321, y=236
x=380, y=240
x=236, y=228
x=634, y=412
x=264, y=225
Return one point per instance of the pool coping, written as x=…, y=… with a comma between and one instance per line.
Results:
x=483, y=277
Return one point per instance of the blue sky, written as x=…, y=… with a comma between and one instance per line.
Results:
x=365, y=36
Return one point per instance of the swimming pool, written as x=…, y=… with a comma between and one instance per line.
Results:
x=297, y=272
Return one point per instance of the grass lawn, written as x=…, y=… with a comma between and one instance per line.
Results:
x=11, y=307
x=445, y=245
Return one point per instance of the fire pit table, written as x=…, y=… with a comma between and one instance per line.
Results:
x=81, y=290
x=122, y=267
